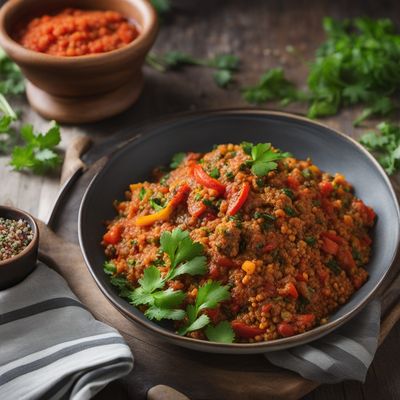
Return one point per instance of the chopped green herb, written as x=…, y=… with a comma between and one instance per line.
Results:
x=198, y=197
x=215, y=173
x=177, y=160
x=289, y=193
x=310, y=240
x=334, y=266
x=157, y=204
x=11, y=78
x=109, y=268
x=142, y=193
x=230, y=176
x=290, y=211
x=306, y=173
x=267, y=217
x=260, y=182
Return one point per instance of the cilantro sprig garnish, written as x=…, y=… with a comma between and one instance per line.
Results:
x=221, y=332
x=185, y=258
x=385, y=144
x=263, y=157
x=208, y=296
x=11, y=78
x=177, y=159
x=38, y=153
x=223, y=64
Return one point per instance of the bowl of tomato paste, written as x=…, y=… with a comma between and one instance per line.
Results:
x=82, y=59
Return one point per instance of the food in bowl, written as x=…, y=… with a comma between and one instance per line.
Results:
x=15, y=236
x=244, y=243
x=75, y=32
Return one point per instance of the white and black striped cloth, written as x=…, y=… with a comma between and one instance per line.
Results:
x=51, y=347
x=345, y=354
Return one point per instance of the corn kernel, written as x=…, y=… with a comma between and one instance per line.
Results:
x=249, y=267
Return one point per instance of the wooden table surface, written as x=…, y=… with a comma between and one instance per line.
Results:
x=258, y=31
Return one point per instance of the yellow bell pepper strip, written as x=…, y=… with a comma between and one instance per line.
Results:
x=165, y=213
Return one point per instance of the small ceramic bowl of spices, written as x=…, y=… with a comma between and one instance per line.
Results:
x=82, y=59
x=19, y=242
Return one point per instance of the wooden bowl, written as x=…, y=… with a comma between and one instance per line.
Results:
x=83, y=88
x=15, y=269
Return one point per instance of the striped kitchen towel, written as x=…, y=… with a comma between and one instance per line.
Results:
x=51, y=347
x=342, y=355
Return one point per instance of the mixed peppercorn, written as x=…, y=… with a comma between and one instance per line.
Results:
x=15, y=236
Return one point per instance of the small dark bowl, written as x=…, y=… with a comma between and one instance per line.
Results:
x=15, y=269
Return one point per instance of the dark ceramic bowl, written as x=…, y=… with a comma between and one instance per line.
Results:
x=15, y=269
x=330, y=150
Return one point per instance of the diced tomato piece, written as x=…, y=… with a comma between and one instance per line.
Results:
x=285, y=329
x=245, y=331
x=346, y=259
x=225, y=262
x=332, y=236
x=180, y=195
x=367, y=213
x=289, y=290
x=292, y=182
x=238, y=199
x=325, y=188
x=204, y=179
x=209, y=216
x=269, y=247
x=305, y=319
x=329, y=246
x=266, y=307
x=196, y=208
x=113, y=236
x=214, y=272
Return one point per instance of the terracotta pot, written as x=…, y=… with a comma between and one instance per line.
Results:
x=84, y=88
x=15, y=269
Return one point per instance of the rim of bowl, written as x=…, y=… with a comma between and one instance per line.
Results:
x=147, y=34
x=27, y=217
x=277, y=344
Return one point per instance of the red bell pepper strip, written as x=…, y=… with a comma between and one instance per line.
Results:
x=238, y=199
x=179, y=195
x=266, y=307
x=113, y=236
x=204, y=179
x=269, y=247
x=245, y=331
x=289, y=290
x=305, y=319
x=332, y=236
x=329, y=246
x=196, y=208
x=225, y=262
x=346, y=259
x=285, y=329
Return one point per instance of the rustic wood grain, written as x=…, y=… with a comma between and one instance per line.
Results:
x=258, y=31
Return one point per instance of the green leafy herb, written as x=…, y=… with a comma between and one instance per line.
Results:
x=142, y=193
x=157, y=204
x=11, y=78
x=264, y=157
x=177, y=160
x=214, y=173
x=38, y=153
x=267, y=217
x=230, y=176
x=208, y=296
x=109, y=268
x=272, y=86
x=223, y=77
x=163, y=7
x=334, y=266
x=289, y=193
x=290, y=211
x=310, y=240
x=385, y=145
x=222, y=332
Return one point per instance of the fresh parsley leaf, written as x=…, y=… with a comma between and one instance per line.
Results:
x=264, y=158
x=222, y=333
x=38, y=153
x=289, y=193
x=11, y=78
x=121, y=283
x=158, y=313
x=151, y=279
x=214, y=173
x=272, y=85
x=177, y=160
x=168, y=298
x=196, y=266
x=109, y=268
x=210, y=294
x=197, y=324
x=179, y=246
x=385, y=145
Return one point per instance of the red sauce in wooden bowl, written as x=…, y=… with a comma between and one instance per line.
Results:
x=73, y=32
